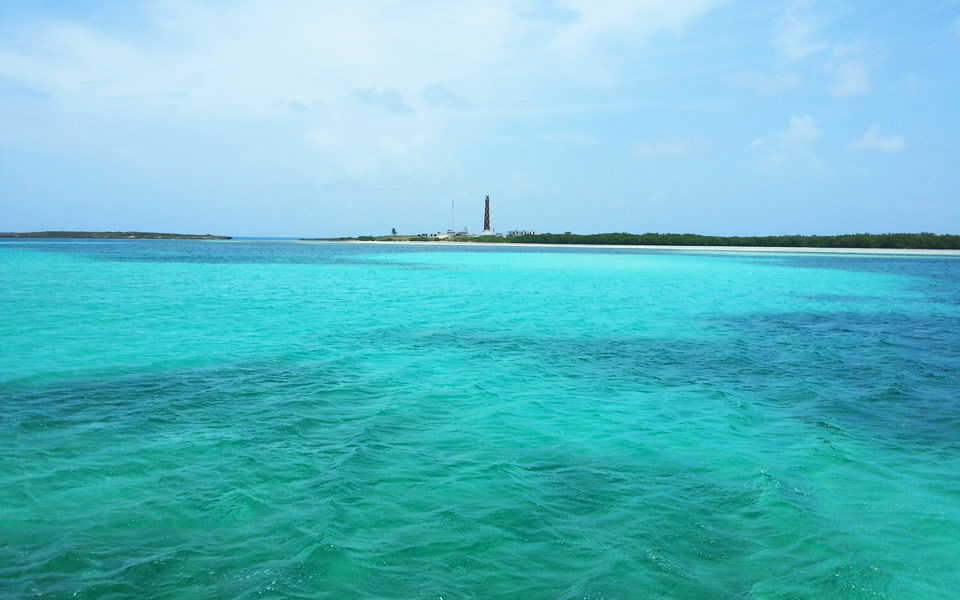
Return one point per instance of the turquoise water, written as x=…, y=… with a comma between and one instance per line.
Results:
x=257, y=419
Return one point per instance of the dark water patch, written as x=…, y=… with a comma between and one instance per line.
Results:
x=935, y=266
x=888, y=376
x=889, y=372
x=934, y=277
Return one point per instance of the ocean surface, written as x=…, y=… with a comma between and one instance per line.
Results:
x=281, y=419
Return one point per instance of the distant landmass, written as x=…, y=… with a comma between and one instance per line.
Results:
x=116, y=235
x=906, y=241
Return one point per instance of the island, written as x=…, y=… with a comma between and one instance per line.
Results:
x=897, y=241
x=115, y=235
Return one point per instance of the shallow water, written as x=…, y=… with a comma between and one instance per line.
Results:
x=283, y=419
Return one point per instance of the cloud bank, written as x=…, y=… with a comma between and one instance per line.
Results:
x=373, y=85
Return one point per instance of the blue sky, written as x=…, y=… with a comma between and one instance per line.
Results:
x=316, y=118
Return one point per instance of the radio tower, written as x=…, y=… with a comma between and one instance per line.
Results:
x=486, y=216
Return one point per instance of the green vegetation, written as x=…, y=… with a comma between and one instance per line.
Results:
x=115, y=235
x=919, y=241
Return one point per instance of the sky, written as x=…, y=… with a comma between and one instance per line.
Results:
x=327, y=118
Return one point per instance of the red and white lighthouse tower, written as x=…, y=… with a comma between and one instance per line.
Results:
x=486, y=217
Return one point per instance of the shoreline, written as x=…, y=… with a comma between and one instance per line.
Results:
x=715, y=249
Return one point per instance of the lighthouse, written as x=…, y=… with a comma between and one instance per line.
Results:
x=486, y=217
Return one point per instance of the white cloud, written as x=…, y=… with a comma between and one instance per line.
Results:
x=799, y=38
x=797, y=34
x=851, y=79
x=600, y=18
x=801, y=132
x=798, y=139
x=848, y=69
x=874, y=140
x=671, y=146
